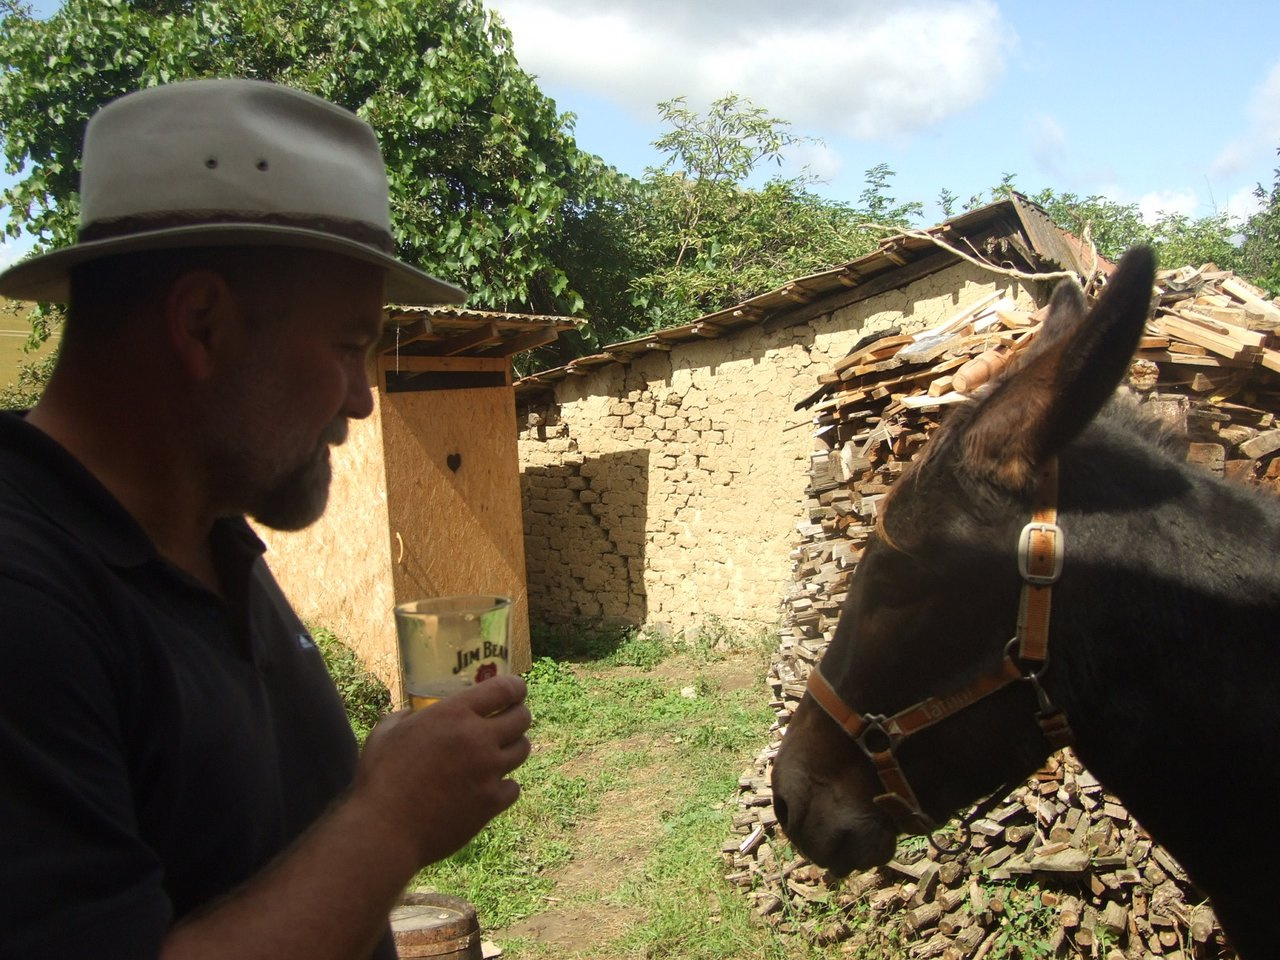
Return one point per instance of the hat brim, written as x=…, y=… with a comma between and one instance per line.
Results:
x=46, y=277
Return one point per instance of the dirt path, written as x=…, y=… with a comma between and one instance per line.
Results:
x=584, y=912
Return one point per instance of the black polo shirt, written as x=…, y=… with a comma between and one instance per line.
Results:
x=158, y=745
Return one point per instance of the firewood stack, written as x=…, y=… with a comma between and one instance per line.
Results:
x=1060, y=861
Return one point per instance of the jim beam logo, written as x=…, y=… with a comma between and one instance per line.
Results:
x=484, y=655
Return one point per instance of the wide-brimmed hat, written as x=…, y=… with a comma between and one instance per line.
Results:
x=216, y=163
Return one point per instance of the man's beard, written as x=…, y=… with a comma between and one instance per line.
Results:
x=298, y=499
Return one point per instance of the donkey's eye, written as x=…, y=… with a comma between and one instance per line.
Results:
x=893, y=584
x=890, y=593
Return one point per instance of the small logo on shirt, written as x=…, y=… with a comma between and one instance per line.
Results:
x=305, y=642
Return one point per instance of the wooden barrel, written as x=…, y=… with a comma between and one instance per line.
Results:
x=435, y=925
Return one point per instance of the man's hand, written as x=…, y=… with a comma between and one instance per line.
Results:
x=440, y=774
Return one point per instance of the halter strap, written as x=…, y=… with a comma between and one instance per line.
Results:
x=1040, y=549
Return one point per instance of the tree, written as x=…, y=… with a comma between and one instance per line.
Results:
x=708, y=239
x=1113, y=227
x=1180, y=240
x=488, y=186
x=1260, y=248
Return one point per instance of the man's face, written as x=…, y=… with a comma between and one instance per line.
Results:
x=297, y=374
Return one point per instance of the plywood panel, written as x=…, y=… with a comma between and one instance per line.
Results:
x=453, y=502
x=337, y=572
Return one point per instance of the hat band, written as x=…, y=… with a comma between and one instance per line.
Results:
x=355, y=230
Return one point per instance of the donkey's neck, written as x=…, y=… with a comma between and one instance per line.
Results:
x=1167, y=652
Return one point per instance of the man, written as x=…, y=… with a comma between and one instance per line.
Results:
x=177, y=778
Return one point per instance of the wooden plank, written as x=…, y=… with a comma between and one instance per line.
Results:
x=1248, y=295
x=1165, y=356
x=402, y=334
x=1206, y=336
x=880, y=349
x=407, y=363
x=481, y=336
x=1241, y=335
x=961, y=317
x=924, y=373
x=1271, y=359
x=796, y=293
x=527, y=341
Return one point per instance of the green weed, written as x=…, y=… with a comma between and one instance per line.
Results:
x=364, y=696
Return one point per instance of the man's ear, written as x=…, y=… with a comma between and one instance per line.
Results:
x=202, y=316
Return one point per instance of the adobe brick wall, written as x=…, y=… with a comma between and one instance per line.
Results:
x=667, y=492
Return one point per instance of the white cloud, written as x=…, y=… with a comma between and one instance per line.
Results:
x=11, y=251
x=1158, y=202
x=1048, y=144
x=1261, y=137
x=829, y=67
x=1243, y=203
x=817, y=159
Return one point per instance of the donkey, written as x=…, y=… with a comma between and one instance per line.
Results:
x=1137, y=617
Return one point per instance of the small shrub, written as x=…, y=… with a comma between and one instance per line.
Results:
x=364, y=696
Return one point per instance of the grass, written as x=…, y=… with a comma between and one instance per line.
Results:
x=614, y=849
x=636, y=761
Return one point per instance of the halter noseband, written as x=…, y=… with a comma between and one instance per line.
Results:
x=1040, y=550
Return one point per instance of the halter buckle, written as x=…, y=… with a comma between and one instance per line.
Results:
x=1032, y=556
x=875, y=725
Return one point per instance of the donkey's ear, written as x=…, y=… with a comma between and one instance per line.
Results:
x=1069, y=372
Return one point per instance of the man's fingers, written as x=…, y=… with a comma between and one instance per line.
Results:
x=494, y=695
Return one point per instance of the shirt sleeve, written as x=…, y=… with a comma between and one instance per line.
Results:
x=79, y=881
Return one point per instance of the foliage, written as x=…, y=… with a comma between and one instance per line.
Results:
x=488, y=186
x=880, y=208
x=1181, y=240
x=710, y=240
x=364, y=696
x=1113, y=227
x=1260, y=248
x=609, y=643
x=32, y=377
x=1026, y=926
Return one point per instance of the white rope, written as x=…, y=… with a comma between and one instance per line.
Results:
x=977, y=262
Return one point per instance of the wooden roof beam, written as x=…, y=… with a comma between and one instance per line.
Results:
x=473, y=340
x=530, y=340
x=400, y=334
x=894, y=251
x=796, y=294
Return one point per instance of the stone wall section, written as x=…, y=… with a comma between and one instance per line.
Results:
x=668, y=491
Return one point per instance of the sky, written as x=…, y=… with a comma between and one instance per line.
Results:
x=1173, y=106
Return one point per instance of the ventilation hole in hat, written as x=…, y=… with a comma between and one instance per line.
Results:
x=212, y=163
x=262, y=165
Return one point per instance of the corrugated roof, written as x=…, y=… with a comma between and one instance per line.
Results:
x=460, y=332
x=1009, y=234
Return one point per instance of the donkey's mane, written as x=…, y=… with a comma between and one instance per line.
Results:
x=1122, y=414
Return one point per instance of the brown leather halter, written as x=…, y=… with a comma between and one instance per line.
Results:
x=1040, y=550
